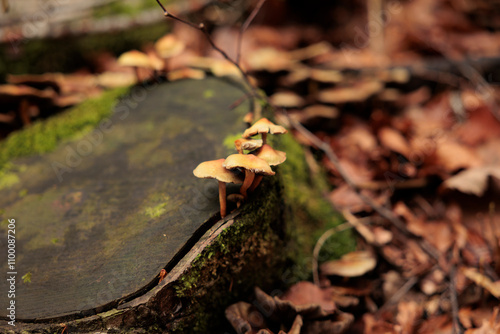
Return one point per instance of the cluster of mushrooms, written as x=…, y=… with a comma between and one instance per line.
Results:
x=243, y=168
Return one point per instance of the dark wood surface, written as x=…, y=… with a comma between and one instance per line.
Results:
x=99, y=233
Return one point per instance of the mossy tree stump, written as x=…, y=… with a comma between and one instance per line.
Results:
x=101, y=214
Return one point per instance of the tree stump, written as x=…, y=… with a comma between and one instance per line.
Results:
x=99, y=217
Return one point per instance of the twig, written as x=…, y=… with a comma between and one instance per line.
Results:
x=457, y=328
x=321, y=241
x=245, y=26
x=332, y=157
x=201, y=27
x=399, y=294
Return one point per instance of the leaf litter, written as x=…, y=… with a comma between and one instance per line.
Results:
x=413, y=131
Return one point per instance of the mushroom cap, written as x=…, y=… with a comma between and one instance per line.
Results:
x=249, y=162
x=263, y=125
x=213, y=169
x=169, y=46
x=248, y=144
x=134, y=58
x=235, y=198
x=270, y=155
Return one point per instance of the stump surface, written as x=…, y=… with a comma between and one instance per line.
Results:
x=98, y=218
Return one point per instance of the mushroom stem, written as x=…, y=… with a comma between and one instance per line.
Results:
x=237, y=144
x=222, y=198
x=264, y=138
x=249, y=176
x=136, y=70
x=255, y=182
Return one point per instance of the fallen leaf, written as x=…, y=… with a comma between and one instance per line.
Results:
x=287, y=100
x=352, y=264
x=472, y=181
x=474, y=275
x=358, y=92
x=395, y=141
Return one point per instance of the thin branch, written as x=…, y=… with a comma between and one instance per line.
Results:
x=457, y=328
x=204, y=30
x=399, y=294
x=245, y=26
x=321, y=241
x=332, y=157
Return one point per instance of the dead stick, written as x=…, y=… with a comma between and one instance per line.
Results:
x=321, y=241
x=245, y=26
x=204, y=30
x=384, y=212
x=457, y=328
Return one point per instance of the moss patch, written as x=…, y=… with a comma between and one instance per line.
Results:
x=44, y=136
x=310, y=214
x=224, y=272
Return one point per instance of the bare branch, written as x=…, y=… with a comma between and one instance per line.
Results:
x=245, y=26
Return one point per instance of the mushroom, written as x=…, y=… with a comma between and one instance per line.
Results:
x=271, y=156
x=237, y=198
x=247, y=144
x=264, y=126
x=214, y=170
x=251, y=164
x=167, y=47
x=135, y=59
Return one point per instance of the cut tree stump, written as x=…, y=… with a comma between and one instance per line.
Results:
x=99, y=217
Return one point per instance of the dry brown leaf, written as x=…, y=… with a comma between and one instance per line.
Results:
x=359, y=92
x=409, y=313
x=338, y=323
x=491, y=325
x=326, y=75
x=395, y=141
x=269, y=59
x=474, y=275
x=115, y=79
x=245, y=318
x=287, y=99
x=316, y=111
x=453, y=156
x=310, y=51
x=185, y=73
x=306, y=294
x=352, y=264
x=472, y=181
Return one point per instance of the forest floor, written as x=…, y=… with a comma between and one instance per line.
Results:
x=400, y=105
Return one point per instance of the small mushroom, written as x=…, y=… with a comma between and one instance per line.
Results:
x=271, y=156
x=214, y=170
x=167, y=47
x=247, y=144
x=135, y=59
x=236, y=198
x=264, y=126
x=251, y=164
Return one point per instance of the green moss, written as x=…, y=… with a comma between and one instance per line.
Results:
x=156, y=211
x=44, y=136
x=7, y=179
x=37, y=56
x=229, y=141
x=310, y=214
x=250, y=245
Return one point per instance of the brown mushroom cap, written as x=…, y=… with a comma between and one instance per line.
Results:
x=247, y=144
x=214, y=170
x=134, y=58
x=169, y=46
x=270, y=155
x=264, y=125
x=249, y=162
